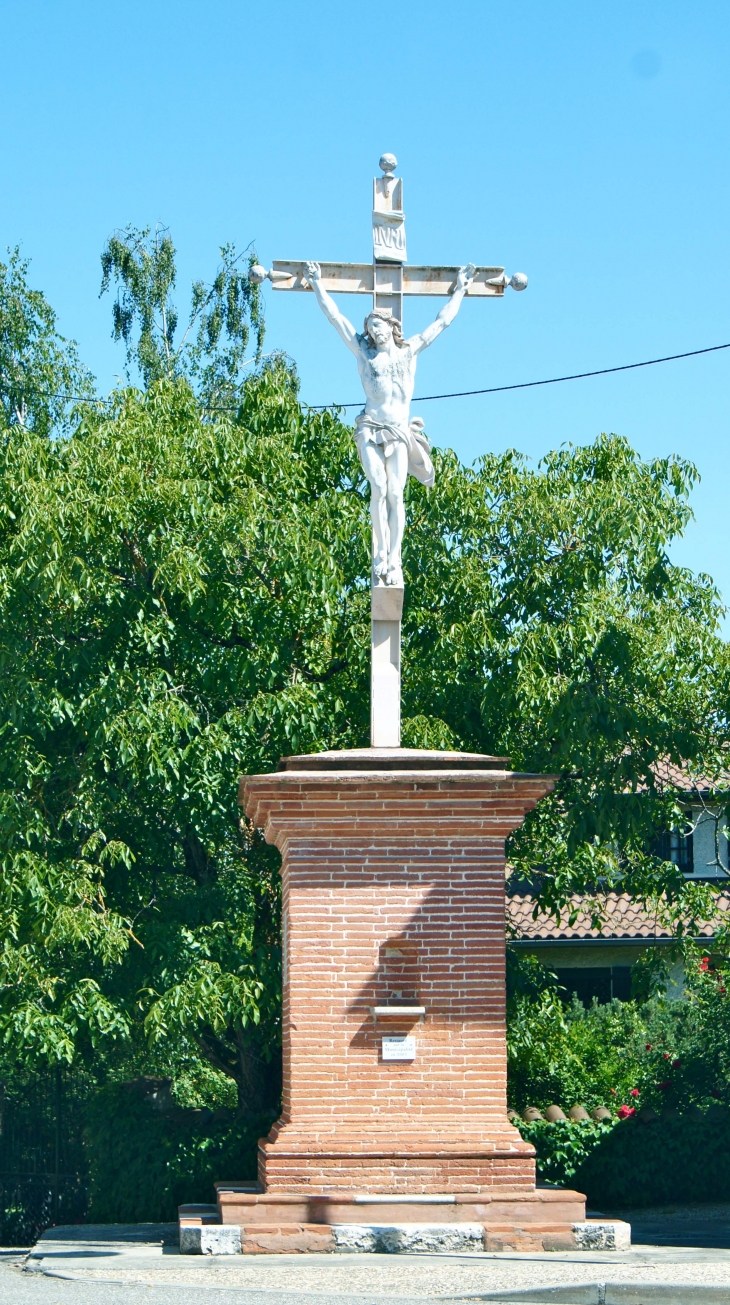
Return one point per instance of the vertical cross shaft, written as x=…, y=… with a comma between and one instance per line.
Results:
x=389, y=255
x=386, y=611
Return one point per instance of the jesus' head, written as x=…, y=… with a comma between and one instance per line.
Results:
x=381, y=327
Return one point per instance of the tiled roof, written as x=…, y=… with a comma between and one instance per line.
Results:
x=625, y=918
x=669, y=775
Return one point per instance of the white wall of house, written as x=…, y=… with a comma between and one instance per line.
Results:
x=704, y=856
x=675, y=980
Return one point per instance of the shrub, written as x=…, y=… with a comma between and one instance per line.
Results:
x=563, y=1147
x=681, y=1159
x=658, y=1053
x=144, y=1161
x=572, y=1055
x=628, y=1163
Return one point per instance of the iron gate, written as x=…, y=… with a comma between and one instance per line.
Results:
x=43, y=1175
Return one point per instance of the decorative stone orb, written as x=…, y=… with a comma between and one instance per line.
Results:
x=388, y=162
x=531, y=1114
x=553, y=1113
x=257, y=274
x=647, y=1115
x=518, y=281
x=601, y=1112
x=578, y=1113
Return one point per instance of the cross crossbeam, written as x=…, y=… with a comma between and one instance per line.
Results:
x=359, y=278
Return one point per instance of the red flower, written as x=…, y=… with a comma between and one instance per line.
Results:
x=648, y=1046
x=676, y=1064
x=705, y=963
x=722, y=992
x=663, y=1086
x=634, y=1092
x=666, y=1055
x=625, y=1112
x=612, y=1091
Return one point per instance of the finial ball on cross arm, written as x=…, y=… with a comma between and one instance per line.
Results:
x=518, y=281
x=388, y=163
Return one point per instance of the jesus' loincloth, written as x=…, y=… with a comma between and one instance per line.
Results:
x=388, y=436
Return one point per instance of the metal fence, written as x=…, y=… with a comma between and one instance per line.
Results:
x=43, y=1174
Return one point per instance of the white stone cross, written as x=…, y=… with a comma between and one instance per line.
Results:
x=390, y=443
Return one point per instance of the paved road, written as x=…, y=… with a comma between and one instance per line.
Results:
x=23, y=1288
x=19, y=1288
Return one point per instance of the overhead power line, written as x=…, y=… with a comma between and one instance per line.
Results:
x=552, y=380
x=456, y=394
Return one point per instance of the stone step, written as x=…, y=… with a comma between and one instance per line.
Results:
x=199, y=1238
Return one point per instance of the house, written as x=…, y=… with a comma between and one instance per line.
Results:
x=597, y=963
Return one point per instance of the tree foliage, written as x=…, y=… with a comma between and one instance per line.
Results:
x=565, y=638
x=173, y=614
x=212, y=349
x=41, y=377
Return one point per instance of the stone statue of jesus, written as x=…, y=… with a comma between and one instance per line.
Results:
x=390, y=443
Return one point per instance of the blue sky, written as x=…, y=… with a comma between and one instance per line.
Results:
x=585, y=145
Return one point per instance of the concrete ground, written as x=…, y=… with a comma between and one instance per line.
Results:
x=679, y=1257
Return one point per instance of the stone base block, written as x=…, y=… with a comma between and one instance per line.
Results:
x=603, y=1235
x=588, y=1235
x=544, y=1219
x=409, y=1238
x=286, y=1239
x=209, y=1239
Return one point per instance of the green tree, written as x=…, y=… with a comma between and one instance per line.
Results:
x=549, y=624
x=212, y=350
x=177, y=613
x=41, y=377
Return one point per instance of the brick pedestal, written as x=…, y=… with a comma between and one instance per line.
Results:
x=393, y=898
x=393, y=901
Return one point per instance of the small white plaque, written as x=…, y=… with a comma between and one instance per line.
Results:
x=399, y=1048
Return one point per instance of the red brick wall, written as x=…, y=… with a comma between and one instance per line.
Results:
x=393, y=884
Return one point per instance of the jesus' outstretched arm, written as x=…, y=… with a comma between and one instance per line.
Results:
x=344, y=329
x=448, y=312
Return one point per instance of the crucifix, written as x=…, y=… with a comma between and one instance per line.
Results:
x=390, y=442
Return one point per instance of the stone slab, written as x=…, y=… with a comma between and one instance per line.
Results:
x=386, y=602
x=552, y=1207
x=362, y=760
x=608, y=1235
x=209, y=1239
x=409, y=1238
